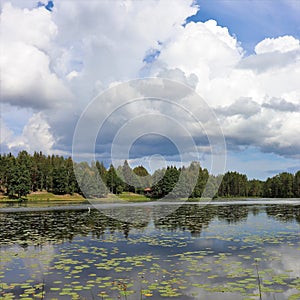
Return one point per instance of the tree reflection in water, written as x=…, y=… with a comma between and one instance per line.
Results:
x=36, y=228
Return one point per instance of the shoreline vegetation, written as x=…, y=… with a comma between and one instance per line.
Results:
x=45, y=197
x=44, y=178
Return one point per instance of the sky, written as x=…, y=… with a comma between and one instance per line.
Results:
x=225, y=85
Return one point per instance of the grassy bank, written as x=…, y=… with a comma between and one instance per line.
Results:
x=45, y=196
x=132, y=197
x=111, y=198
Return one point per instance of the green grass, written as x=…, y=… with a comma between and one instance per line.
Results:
x=111, y=198
x=132, y=197
x=50, y=196
x=45, y=196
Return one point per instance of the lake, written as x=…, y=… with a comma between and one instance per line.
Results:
x=240, y=250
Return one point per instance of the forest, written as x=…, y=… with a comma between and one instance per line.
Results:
x=26, y=173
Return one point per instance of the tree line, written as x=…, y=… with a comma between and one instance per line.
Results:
x=26, y=173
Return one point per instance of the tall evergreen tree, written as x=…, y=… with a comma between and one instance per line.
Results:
x=19, y=181
x=89, y=180
x=165, y=186
x=131, y=181
x=113, y=181
x=60, y=181
x=233, y=184
x=255, y=188
x=286, y=183
x=101, y=170
x=297, y=185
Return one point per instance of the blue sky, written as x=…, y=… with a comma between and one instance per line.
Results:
x=241, y=57
x=252, y=20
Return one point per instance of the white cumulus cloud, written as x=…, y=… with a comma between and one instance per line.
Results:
x=36, y=135
x=56, y=62
x=26, y=76
x=281, y=44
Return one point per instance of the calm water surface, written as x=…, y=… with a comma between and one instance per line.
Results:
x=196, y=252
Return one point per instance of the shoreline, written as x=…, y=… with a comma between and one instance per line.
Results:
x=104, y=206
x=129, y=198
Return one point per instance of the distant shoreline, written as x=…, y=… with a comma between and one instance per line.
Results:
x=44, y=197
x=132, y=205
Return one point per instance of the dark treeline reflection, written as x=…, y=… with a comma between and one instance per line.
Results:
x=192, y=218
x=233, y=213
x=284, y=213
x=37, y=228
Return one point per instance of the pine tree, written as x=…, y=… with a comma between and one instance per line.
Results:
x=89, y=180
x=255, y=188
x=297, y=185
x=19, y=181
x=130, y=179
x=113, y=180
x=286, y=183
x=101, y=170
